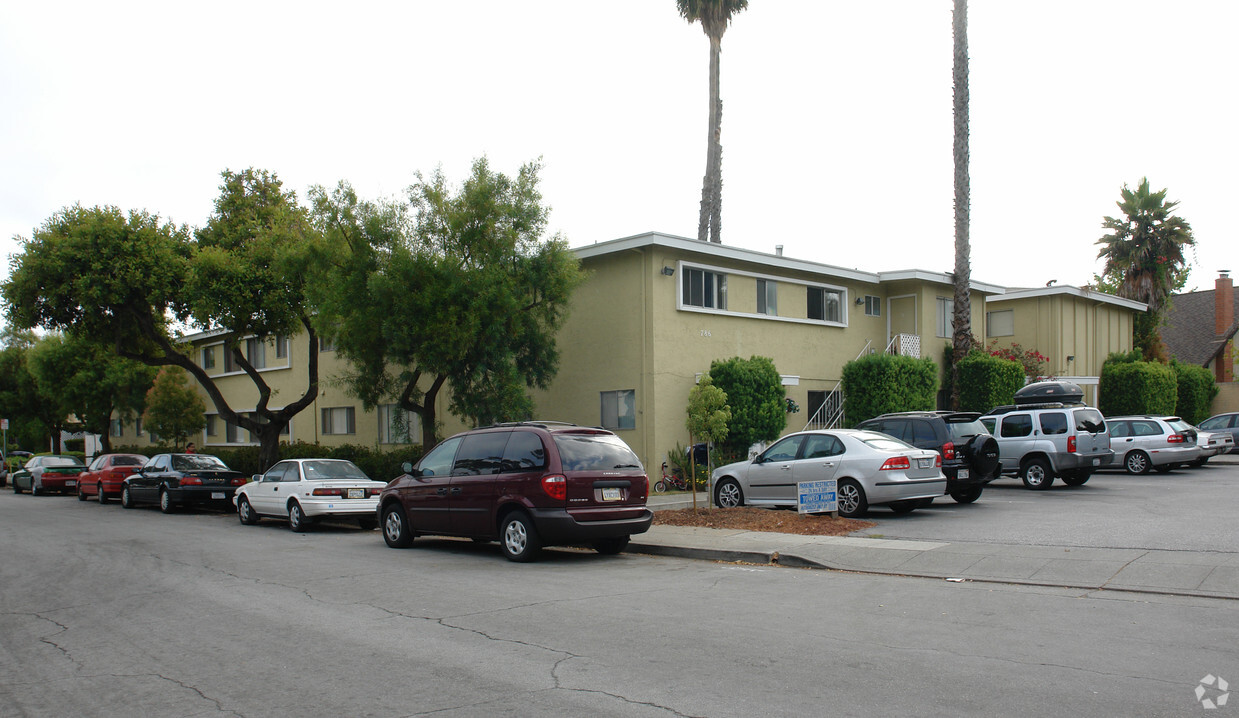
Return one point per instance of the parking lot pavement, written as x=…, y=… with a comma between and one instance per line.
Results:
x=1150, y=558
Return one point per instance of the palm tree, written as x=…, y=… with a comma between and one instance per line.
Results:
x=1144, y=256
x=714, y=16
x=962, y=320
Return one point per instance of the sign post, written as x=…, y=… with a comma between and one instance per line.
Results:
x=817, y=497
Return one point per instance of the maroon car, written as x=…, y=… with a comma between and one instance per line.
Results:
x=104, y=475
x=527, y=485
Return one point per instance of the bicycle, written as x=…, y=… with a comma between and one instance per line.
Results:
x=673, y=480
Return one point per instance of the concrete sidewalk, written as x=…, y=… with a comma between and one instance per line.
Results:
x=1182, y=573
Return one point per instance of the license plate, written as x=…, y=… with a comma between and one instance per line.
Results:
x=70, y=483
x=1096, y=462
x=611, y=494
x=217, y=494
x=962, y=473
x=356, y=493
x=925, y=463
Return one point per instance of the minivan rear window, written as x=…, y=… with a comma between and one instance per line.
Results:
x=1090, y=420
x=595, y=452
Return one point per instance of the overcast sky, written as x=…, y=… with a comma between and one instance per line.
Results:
x=836, y=129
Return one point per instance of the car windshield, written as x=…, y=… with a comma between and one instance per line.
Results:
x=62, y=461
x=964, y=429
x=197, y=462
x=594, y=452
x=325, y=470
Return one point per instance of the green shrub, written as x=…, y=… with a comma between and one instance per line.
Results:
x=1196, y=391
x=881, y=383
x=755, y=396
x=988, y=381
x=1137, y=387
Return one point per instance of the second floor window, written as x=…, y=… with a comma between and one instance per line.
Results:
x=208, y=357
x=825, y=304
x=256, y=352
x=339, y=420
x=873, y=306
x=767, y=297
x=945, y=316
x=704, y=289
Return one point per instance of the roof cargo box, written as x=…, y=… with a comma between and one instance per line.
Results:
x=1040, y=392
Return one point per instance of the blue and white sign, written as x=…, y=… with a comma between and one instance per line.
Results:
x=815, y=497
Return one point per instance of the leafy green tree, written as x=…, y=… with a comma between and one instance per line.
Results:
x=89, y=381
x=458, y=284
x=124, y=280
x=1144, y=257
x=33, y=418
x=755, y=397
x=708, y=418
x=174, y=410
x=962, y=320
x=714, y=16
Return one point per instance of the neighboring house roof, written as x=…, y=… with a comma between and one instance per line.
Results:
x=1189, y=329
x=1094, y=295
x=658, y=239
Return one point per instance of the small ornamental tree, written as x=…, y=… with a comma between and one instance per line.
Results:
x=755, y=396
x=708, y=415
x=173, y=409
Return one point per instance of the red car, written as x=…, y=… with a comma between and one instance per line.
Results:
x=104, y=475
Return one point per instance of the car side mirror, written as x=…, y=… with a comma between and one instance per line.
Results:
x=256, y=477
x=406, y=467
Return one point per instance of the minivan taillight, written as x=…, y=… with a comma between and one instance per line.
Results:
x=895, y=463
x=556, y=487
x=1071, y=445
x=948, y=451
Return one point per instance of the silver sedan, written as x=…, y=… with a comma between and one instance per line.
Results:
x=869, y=468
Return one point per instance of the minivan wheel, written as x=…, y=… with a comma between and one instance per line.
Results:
x=1137, y=462
x=396, y=530
x=518, y=538
x=852, y=501
x=728, y=495
x=1037, y=474
x=611, y=546
x=966, y=496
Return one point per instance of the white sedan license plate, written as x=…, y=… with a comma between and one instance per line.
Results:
x=612, y=494
x=217, y=494
x=356, y=493
x=925, y=463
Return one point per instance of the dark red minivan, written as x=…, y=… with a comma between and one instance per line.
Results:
x=527, y=485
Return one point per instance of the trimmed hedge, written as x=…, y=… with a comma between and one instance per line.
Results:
x=987, y=381
x=1139, y=387
x=881, y=383
x=1197, y=389
x=383, y=466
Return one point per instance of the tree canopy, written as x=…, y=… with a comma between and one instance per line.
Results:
x=755, y=397
x=173, y=409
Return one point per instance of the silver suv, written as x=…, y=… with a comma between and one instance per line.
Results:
x=1040, y=442
x=1153, y=442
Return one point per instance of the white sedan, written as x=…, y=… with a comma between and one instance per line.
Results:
x=305, y=490
x=869, y=468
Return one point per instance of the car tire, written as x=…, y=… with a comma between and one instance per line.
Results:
x=165, y=502
x=103, y=498
x=518, y=538
x=967, y=495
x=297, y=520
x=660, y=487
x=852, y=501
x=35, y=490
x=15, y=489
x=1137, y=462
x=1166, y=468
x=904, y=507
x=81, y=496
x=396, y=529
x=368, y=523
x=126, y=498
x=1076, y=478
x=1199, y=462
x=728, y=494
x=245, y=512
x=611, y=546
x=1037, y=474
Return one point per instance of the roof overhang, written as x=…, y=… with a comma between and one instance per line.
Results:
x=1066, y=290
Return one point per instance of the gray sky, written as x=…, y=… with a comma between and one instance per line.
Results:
x=836, y=129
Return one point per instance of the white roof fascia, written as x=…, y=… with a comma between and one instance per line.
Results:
x=938, y=278
x=1103, y=297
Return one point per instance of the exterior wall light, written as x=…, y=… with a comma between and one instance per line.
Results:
x=668, y=271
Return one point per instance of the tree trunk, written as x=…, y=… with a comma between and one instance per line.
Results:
x=962, y=319
x=715, y=151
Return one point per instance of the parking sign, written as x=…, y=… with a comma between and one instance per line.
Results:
x=815, y=497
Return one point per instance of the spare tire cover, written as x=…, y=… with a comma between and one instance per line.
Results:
x=983, y=454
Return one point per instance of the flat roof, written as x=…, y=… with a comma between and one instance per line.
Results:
x=1082, y=293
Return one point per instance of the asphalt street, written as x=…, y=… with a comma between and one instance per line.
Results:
x=105, y=611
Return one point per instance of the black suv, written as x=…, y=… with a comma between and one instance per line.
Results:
x=969, y=453
x=527, y=484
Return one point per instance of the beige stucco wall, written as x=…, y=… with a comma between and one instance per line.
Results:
x=1227, y=398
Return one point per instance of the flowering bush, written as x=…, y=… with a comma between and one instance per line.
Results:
x=1031, y=359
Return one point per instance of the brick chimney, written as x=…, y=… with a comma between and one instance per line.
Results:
x=1223, y=319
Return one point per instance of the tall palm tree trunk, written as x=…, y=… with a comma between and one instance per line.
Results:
x=962, y=320
x=711, y=185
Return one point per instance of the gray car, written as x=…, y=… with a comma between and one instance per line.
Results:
x=1224, y=423
x=869, y=468
x=1143, y=443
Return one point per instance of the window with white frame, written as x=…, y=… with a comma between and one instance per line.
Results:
x=1000, y=324
x=873, y=306
x=768, y=297
x=825, y=304
x=210, y=424
x=397, y=426
x=208, y=357
x=137, y=426
x=281, y=347
x=116, y=428
x=256, y=352
x=704, y=288
x=339, y=420
x=944, y=316
x=619, y=409
x=234, y=434
x=230, y=364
